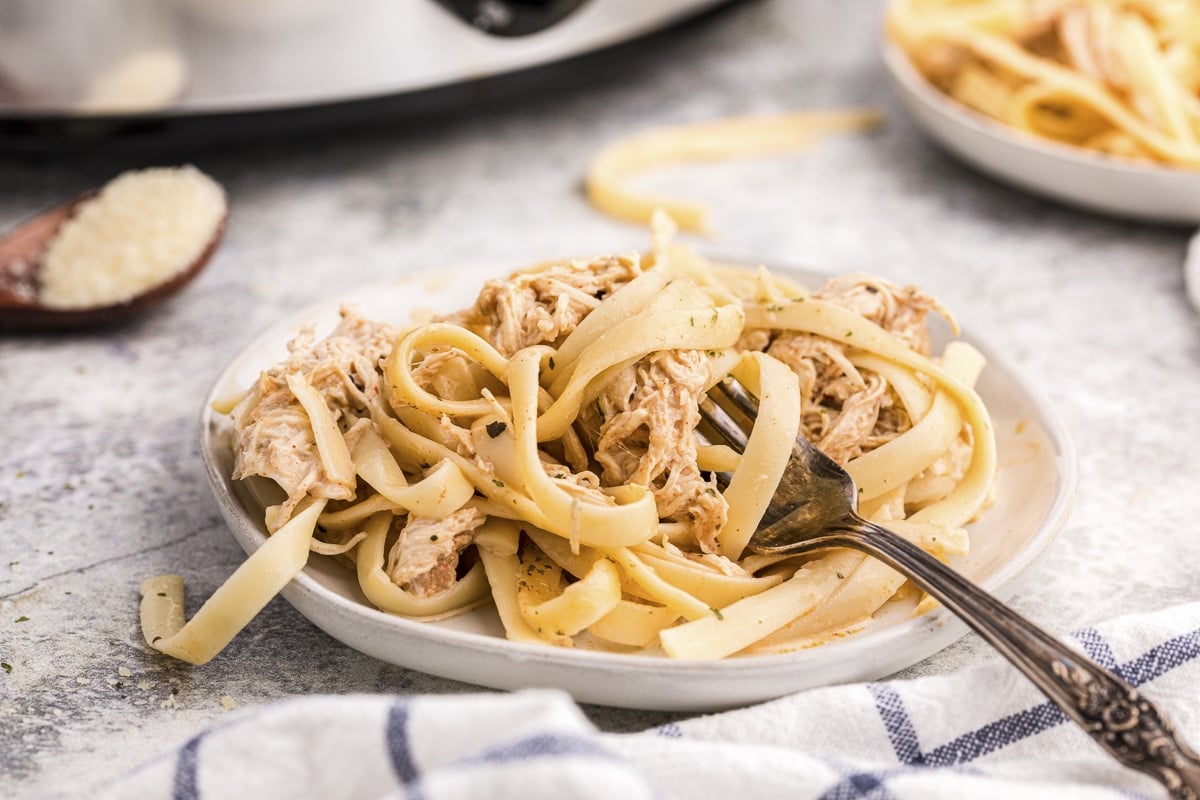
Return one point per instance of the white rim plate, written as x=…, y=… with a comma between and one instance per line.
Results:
x=1072, y=175
x=1037, y=486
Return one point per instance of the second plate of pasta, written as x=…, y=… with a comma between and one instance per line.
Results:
x=1089, y=103
x=494, y=643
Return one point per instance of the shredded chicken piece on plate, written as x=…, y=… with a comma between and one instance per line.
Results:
x=847, y=411
x=899, y=310
x=274, y=438
x=539, y=307
x=424, y=558
x=646, y=417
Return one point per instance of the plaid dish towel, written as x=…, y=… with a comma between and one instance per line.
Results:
x=983, y=732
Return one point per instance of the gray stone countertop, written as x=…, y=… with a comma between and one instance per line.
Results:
x=101, y=482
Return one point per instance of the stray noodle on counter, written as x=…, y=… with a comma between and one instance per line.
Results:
x=539, y=451
x=1116, y=76
x=611, y=169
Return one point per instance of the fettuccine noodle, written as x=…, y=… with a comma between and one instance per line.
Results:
x=1116, y=76
x=543, y=451
x=612, y=169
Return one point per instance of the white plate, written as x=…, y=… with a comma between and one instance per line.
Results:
x=1037, y=485
x=1072, y=175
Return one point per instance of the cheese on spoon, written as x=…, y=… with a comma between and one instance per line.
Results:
x=143, y=229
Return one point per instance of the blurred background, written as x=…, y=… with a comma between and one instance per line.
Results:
x=136, y=73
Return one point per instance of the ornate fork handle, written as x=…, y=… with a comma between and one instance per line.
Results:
x=1115, y=714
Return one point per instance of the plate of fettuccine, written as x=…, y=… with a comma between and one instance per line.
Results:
x=502, y=477
x=1095, y=103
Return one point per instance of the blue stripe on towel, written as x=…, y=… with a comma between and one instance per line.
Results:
x=995, y=735
x=539, y=746
x=669, y=729
x=1163, y=658
x=856, y=784
x=186, y=785
x=1153, y=663
x=900, y=730
x=859, y=785
x=1098, y=650
x=397, y=742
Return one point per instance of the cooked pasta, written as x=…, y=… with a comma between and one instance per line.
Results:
x=1116, y=76
x=543, y=451
x=610, y=171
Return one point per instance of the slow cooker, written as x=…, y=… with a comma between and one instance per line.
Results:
x=209, y=70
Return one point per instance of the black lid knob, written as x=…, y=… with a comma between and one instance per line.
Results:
x=511, y=17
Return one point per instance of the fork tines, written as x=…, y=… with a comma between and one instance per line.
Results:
x=729, y=409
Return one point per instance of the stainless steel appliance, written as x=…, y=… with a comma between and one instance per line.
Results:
x=72, y=71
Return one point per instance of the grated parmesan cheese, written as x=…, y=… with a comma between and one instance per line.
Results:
x=142, y=230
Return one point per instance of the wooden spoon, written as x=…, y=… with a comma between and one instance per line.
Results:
x=21, y=254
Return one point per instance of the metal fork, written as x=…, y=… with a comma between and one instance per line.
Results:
x=816, y=507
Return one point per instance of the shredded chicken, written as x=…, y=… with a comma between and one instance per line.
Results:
x=525, y=309
x=1077, y=33
x=753, y=339
x=460, y=437
x=848, y=412
x=899, y=310
x=1086, y=34
x=531, y=308
x=424, y=558
x=646, y=417
x=274, y=438
x=847, y=432
x=447, y=374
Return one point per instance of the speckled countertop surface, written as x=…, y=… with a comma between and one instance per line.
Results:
x=100, y=477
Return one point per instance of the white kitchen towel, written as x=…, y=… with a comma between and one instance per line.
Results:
x=982, y=732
